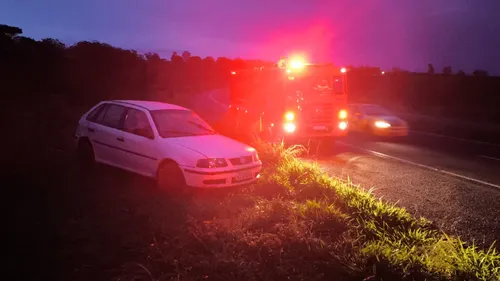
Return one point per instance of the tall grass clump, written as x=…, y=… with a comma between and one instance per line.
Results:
x=387, y=233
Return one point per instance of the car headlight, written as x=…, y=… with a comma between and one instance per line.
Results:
x=382, y=124
x=211, y=163
x=343, y=125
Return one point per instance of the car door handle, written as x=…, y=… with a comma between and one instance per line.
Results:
x=91, y=130
x=120, y=139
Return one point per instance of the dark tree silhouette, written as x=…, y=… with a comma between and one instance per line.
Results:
x=186, y=55
x=209, y=60
x=87, y=72
x=447, y=70
x=10, y=31
x=460, y=73
x=480, y=73
x=430, y=69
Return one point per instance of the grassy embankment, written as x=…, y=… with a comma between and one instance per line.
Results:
x=297, y=223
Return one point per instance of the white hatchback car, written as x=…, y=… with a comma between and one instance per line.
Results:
x=164, y=141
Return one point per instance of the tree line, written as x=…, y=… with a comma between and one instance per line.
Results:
x=447, y=70
x=86, y=72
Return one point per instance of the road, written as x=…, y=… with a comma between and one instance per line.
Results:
x=453, y=182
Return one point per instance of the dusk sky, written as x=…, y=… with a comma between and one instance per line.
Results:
x=405, y=33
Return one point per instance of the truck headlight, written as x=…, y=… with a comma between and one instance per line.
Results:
x=211, y=163
x=289, y=127
x=343, y=114
x=289, y=116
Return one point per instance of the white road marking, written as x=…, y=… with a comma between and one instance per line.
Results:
x=382, y=155
x=353, y=159
x=489, y=157
x=211, y=97
x=349, y=162
x=454, y=138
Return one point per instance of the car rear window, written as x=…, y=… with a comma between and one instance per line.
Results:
x=93, y=116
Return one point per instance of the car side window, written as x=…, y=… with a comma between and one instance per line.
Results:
x=361, y=111
x=114, y=116
x=137, y=123
x=93, y=116
x=357, y=111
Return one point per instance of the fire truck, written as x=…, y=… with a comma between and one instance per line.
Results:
x=291, y=101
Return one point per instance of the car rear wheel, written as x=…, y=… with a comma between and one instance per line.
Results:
x=171, y=178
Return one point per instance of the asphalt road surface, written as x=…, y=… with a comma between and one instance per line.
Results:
x=453, y=182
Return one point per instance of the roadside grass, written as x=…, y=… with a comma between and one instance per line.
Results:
x=297, y=223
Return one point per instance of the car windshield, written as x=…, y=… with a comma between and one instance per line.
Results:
x=318, y=84
x=172, y=123
x=374, y=110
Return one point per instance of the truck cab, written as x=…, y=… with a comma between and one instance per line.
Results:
x=317, y=102
x=292, y=100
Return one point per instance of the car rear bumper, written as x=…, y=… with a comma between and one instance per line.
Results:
x=226, y=178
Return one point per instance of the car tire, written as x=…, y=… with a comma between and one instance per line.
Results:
x=171, y=178
x=85, y=155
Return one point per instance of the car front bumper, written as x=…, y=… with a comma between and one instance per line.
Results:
x=232, y=176
x=391, y=132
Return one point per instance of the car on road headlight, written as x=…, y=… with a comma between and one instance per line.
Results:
x=169, y=143
x=376, y=120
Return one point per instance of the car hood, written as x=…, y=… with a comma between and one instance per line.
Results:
x=391, y=119
x=216, y=146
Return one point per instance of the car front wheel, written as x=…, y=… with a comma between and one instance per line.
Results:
x=170, y=177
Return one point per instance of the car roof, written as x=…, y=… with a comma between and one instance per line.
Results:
x=150, y=105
